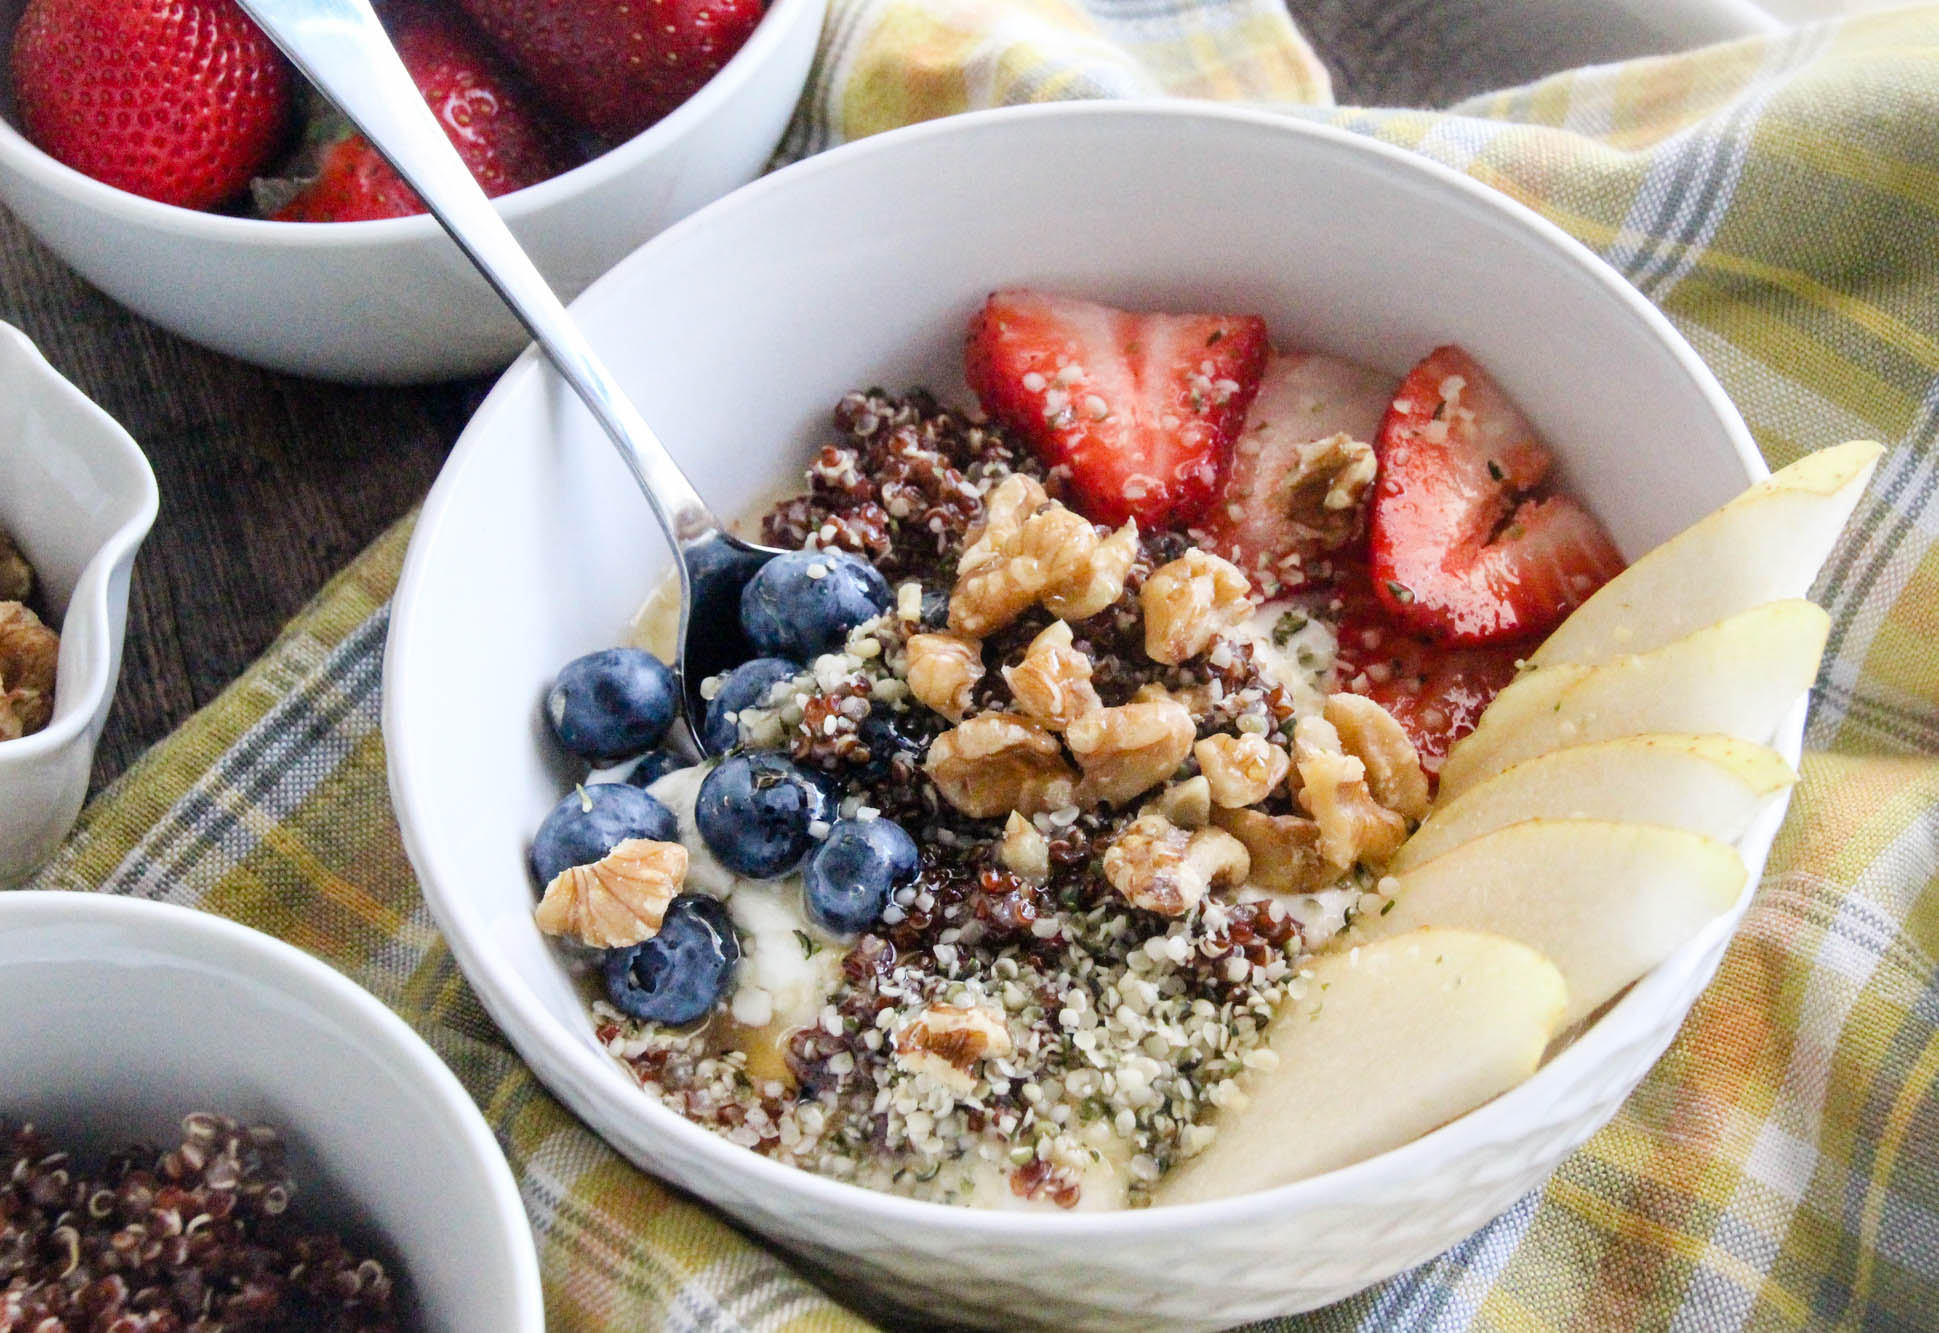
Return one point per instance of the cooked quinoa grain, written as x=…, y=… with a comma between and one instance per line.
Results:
x=194, y=1239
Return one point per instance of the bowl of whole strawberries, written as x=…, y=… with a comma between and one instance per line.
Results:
x=172, y=156
x=1245, y=751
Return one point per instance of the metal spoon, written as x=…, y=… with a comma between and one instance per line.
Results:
x=343, y=50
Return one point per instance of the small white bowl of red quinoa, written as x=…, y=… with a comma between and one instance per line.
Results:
x=1031, y=810
x=205, y=1127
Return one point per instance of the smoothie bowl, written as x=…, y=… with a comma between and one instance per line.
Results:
x=913, y=904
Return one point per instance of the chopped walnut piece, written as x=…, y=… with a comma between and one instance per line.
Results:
x=1023, y=850
x=1005, y=508
x=946, y=1041
x=1285, y=850
x=29, y=652
x=16, y=575
x=1370, y=734
x=1188, y=602
x=1353, y=826
x=1086, y=586
x=618, y=900
x=943, y=670
x=1053, y=682
x=1242, y=770
x=1030, y=548
x=998, y=762
x=1129, y=749
x=1187, y=804
x=1321, y=494
x=1162, y=868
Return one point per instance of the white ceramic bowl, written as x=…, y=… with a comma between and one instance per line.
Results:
x=143, y=1012
x=78, y=497
x=738, y=330
x=394, y=301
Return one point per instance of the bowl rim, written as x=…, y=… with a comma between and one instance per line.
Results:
x=573, y=1069
x=226, y=938
x=194, y=225
x=90, y=599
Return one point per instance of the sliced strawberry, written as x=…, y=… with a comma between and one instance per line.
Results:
x=1142, y=409
x=1273, y=518
x=1434, y=691
x=1463, y=546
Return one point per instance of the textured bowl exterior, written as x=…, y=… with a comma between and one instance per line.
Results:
x=79, y=498
x=394, y=301
x=736, y=332
x=145, y=1012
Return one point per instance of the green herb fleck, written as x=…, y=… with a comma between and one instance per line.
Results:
x=1494, y=469
x=1400, y=592
x=808, y=946
x=1289, y=624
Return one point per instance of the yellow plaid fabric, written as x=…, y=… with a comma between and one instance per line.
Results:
x=1780, y=1168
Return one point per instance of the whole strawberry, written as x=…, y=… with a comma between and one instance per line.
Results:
x=498, y=130
x=615, y=68
x=178, y=100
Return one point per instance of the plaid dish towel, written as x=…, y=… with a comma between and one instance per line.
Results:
x=1779, y=199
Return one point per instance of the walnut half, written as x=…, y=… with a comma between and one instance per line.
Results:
x=1053, y=681
x=1188, y=602
x=29, y=653
x=946, y=1042
x=1241, y=770
x=998, y=762
x=1030, y=548
x=1354, y=827
x=617, y=901
x=1285, y=850
x=1129, y=749
x=1166, y=869
x=1370, y=734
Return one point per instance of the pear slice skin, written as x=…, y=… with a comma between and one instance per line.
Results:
x=1604, y=901
x=1709, y=784
x=1737, y=677
x=1766, y=545
x=1388, y=1041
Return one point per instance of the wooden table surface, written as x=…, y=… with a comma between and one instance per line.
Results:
x=271, y=484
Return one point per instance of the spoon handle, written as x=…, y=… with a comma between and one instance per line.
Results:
x=343, y=50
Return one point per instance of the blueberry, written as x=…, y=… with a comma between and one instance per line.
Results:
x=754, y=810
x=804, y=603
x=744, y=686
x=848, y=879
x=935, y=608
x=591, y=821
x=680, y=974
x=654, y=765
x=611, y=704
x=887, y=741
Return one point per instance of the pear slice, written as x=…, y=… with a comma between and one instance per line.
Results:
x=1712, y=785
x=1603, y=901
x=1764, y=546
x=1387, y=1042
x=1737, y=677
